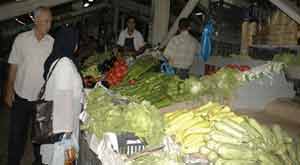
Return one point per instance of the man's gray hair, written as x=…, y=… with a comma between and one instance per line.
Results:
x=38, y=10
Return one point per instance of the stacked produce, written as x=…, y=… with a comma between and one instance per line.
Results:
x=157, y=158
x=141, y=66
x=162, y=90
x=241, y=68
x=152, y=87
x=113, y=114
x=228, y=139
x=116, y=74
x=89, y=68
x=90, y=71
x=218, y=87
x=95, y=59
x=288, y=59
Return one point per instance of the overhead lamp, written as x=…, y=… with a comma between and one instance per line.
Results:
x=20, y=22
x=199, y=13
x=90, y=0
x=31, y=17
x=86, y=4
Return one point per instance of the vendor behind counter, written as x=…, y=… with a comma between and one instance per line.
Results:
x=130, y=39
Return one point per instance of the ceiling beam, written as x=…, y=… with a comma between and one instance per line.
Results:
x=288, y=8
x=14, y=9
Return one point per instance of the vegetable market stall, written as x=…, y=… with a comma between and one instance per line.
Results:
x=214, y=133
x=197, y=123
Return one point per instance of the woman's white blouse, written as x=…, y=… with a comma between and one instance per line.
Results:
x=65, y=88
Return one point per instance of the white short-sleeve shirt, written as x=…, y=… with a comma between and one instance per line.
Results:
x=182, y=49
x=29, y=55
x=137, y=39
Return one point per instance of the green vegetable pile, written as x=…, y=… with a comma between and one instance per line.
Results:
x=89, y=65
x=157, y=158
x=162, y=90
x=90, y=71
x=229, y=139
x=107, y=115
x=141, y=66
x=151, y=87
x=96, y=58
x=219, y=86
x=288, y=59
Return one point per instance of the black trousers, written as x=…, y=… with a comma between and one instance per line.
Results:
x=20, y=118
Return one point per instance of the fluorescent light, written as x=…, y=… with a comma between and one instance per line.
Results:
x=20, y=22
x=91, y=0
x=86, y=4
x=199, y=13
x=31, y=17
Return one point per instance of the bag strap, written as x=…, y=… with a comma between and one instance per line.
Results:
x=43, y=89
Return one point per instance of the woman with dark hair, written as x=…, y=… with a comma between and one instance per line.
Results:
x=65, y=88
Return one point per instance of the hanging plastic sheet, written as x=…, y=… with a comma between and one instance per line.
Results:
x=206, y=41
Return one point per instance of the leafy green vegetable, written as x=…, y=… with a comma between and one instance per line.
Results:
x=159, y=158
x=90, y=71
x=287, y=58
x=141, y=66
x=143, y=119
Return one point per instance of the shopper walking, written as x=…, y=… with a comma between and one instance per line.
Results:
x=65, y=88
x=25, y=78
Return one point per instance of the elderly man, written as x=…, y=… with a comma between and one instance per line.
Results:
x=25, y=78
x=130, y=39
x=181, y=49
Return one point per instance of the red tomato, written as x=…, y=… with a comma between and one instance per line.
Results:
x=244, y=68
x=119, y=75
x=118, y=70
x=132, y=82
x=109, y=81
x=230, y=66
x=123, y=68
x=117, y=63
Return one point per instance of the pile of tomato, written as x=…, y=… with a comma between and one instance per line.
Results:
x=241, y=68
x=117, y=72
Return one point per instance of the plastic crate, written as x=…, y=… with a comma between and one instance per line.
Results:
x=130, y=144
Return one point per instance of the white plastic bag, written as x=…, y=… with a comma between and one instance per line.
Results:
x=106, y=153
x=58, y=157
x=59, y=148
